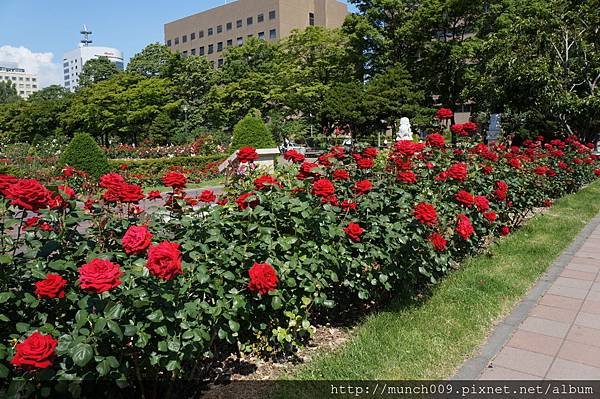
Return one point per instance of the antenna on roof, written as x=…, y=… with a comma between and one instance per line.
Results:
x=86, y=41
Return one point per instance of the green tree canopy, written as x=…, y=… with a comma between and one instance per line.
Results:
x=155, y=60
x=8, y=92
x=97, y=70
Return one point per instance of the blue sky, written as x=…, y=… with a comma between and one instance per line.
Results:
x=36, y=33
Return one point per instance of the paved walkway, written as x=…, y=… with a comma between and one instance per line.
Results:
x=554, y=333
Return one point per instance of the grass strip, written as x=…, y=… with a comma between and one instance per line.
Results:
x=430, y=339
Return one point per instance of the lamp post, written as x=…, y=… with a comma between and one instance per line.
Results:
x=185, y=110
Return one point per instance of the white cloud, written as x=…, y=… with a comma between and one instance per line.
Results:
x=41, y=64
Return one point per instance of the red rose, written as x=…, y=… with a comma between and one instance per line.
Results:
x=31, y=222
x=53, y=286
x=223, y=201
x=244, y=203
x=100, y=275
x=438, y=241
x=324, y=159
x=487, y=170
x=470, y=127
x=406, y=148
x=370, y=152
x=482, y=203
x=348, y=205
x=175, y=180
x=597, y=172
x=112, y=181
x=465, y=198
x=540, y=170
x=332, y=199
x=266, y=182
x=338, y=152
x=457, y=171
x=263, y=278
x=6, y=181
x=341, y=174
x=207, y=196
x=36, y=351
x=164, y=260
x=464, y=228
x=46, y=227
x=247, y=154
x=306, y=170
x=68, y=171
x=458, y=130
x=515, y=163
x=68, y=191
x=293, y=156
x=407, y=177
x=28, y=194
x=444, y=113
x=491, y=216
x=154, y=194
x=323, y=188
x=130, y=193
x=548, y=203
x=136, y=240
x=365, y=163
x=354, y=231
x=436, y=140
x=504, y=231
x=501, y=190
x=362, y=187
x=425, y=213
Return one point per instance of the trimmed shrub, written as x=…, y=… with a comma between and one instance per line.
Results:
x=252, y=132
x=83, y=153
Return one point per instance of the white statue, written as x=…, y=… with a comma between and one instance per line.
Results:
x=405, y=132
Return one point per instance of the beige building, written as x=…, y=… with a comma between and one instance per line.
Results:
x=25, y=83
x=210, y=32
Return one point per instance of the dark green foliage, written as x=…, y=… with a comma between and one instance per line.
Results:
x=252, y=132
x=8, y=92
x=83, y=153
x=160, y=166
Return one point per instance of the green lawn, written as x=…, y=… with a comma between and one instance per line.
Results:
x=208, y=183
x=429, y=339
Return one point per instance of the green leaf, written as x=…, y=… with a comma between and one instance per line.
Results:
x=234, y=325
x=81, y=317
x=22, y=327
x=5, y=296
x=174, y=346
x=113, y=310
x=172, y=365
x=82, y=354
x=3, y=371
x=103, y=367
x=114, y=327
x=156, y=316
x=276, y=303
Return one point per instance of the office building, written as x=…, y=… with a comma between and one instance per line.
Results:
x=211, y=32
x=25, y=83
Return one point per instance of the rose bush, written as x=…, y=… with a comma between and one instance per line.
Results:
x=109, y=293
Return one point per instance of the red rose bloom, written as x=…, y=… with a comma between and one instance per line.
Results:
x=6, y=181
x=266, y=182
x=68, y=171
x=491, y=216
x=130, y=193
x=548, y=203
x=164, y=260
x=470, y=127
x=207, y=196
x=458, y=130
x=362, y=187
x=123, y=166
x=243, y=201
x=28, y=194
x=354, y=231
x=324, y=159
x=444, y=113
x=370, y=152
x=406, y=148
x=263, y=278
x=436, y=140
x=438, y=241
x=223, y=201
x=515, y=163
x=340, y=174
x=306, y=170
x=464, y=228
x=68, y=191
x=348, y=205
x=425, y=213
x=154, y=194
x=487, y=170
x=31, y=222
x=99, y=275
x=247, y=154
x=540, y=170
x=323, y=188
x=175, y=180
x=482, y=203
x=365, y=163
x=457, y=171
x=597, y=172
x=53, y=286
x=112, y=181
x=36, y=351
x=407, y=177
x=501, y=190
x=293, y=156
x=136, y=240
x=504, y=231
x=465, y=198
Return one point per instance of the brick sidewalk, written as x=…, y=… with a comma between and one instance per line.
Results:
x=558, y=334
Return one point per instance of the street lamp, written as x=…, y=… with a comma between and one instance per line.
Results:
x=185, y=110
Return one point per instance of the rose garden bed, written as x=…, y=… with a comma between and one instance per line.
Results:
x=138, y=298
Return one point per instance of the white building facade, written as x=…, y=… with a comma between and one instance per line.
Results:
x=74, y=60
x=25, y=83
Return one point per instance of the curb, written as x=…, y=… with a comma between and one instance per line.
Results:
x=473, y=367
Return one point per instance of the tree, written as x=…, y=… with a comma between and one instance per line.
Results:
x=251, y=131
x=97, y=70
x=155, y=60
x=83, y=153
x=8, y=92
x=193, y=78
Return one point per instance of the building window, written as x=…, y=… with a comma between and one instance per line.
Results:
x=229, y=26
x=261, y=35
x=250, y=35
x=219, y=46
x=229, y=42
x=249, y=21
x=185, y=53
x=33, y=79
x=238, y=23
x=210, y=31
x=176, y=41
x=219, y=28
x=201, y=50
x=21, y=78
x=34, y=86
x=201, y=34
x=193, y=36
x=211, y=48
x=273, y=34
x=260, y=18
x=220, y=62
x=193, y=51
x=64, y=71
x=169, y=43
x=66, y=77
x=66, y=64
x=272, y=14
x=67, y=83
x=240, y=41
x=184, y=39
x=311, y=18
